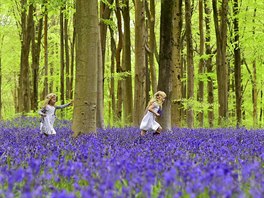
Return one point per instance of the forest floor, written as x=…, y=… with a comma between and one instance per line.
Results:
x=117, y=162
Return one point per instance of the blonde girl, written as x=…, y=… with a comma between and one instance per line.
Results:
x=48, y=114
x=152, y=111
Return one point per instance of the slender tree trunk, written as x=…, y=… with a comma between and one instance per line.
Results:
x=176, y=66
x=151, y=19
x=67, y=59
x=100, y=98
x=254, y=90
x=105, y=13
x=112, y=81
x=128, y=96
x=62, y=61
x=119, y=68
x=46, y=63
x=165, y=67
x=255, y=95
x=140, y=68
x=36, y=46
x=190, y=66
x=222, y=72
x=200, y=96
x=24, y=78
x=209, y=65
x=72, y=56
x=85, y=95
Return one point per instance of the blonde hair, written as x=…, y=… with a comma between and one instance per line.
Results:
x=48, y=98
x=155, y=98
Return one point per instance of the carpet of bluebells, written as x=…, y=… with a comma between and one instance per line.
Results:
x=118, y=163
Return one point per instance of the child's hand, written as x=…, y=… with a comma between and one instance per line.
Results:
x=71, y=102
x=157, y=114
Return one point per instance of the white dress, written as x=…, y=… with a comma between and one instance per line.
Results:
x=148, y=122
x=46, y=124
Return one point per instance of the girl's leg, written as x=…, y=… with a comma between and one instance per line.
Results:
x=157, y=131
x=143, y=132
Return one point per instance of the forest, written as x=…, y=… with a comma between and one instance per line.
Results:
x=205, y=55
x=111, y=62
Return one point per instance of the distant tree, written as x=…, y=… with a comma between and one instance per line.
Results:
x=128, y=96
x=27, y=24
x=221, y=66
x=151, y=14
x=237, y=63
x=190, y=64
x=208, y=63
x=85, y=95
x=35, y=52
x=140, y=68
x=200, y=92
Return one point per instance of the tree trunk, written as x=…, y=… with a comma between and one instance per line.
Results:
x=72, y=56
x=140, y=68
x=105, y=13
x=112, y=81
x=67, y=59
x=254, y=89
x=62, y=63
x=190, y=66
x=128, y=96
x=200, y=95
x=165, y=67
x=221, y=66
x=36, y=46
x=176, y=95
x=151, y=19
x=209, y=65
x=24, y=78
x=119, y=68
x=237, y=58
x=46, y=63
x=100, y=98
x=85, y=95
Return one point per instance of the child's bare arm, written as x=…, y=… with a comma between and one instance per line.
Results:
x=64, y=106
x=151, y=109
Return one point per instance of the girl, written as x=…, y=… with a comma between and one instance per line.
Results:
x=48, y=114
x=154, y=106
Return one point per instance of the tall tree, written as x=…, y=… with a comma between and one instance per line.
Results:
x=140, y=68
x=176, y=65
x=208, y=63
x=221, y=66
x=237, y=63
x=165, y=58
x=35, y=52
x=67, y=56
x=200, y=94
x=151, y=14
x=26, y=38
x=62, y=54
x=100, y=98
x=128, y=96
x=46, y=62
x=119, y=68
x=85, y=95
x=190, y=66
x=254, y=80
